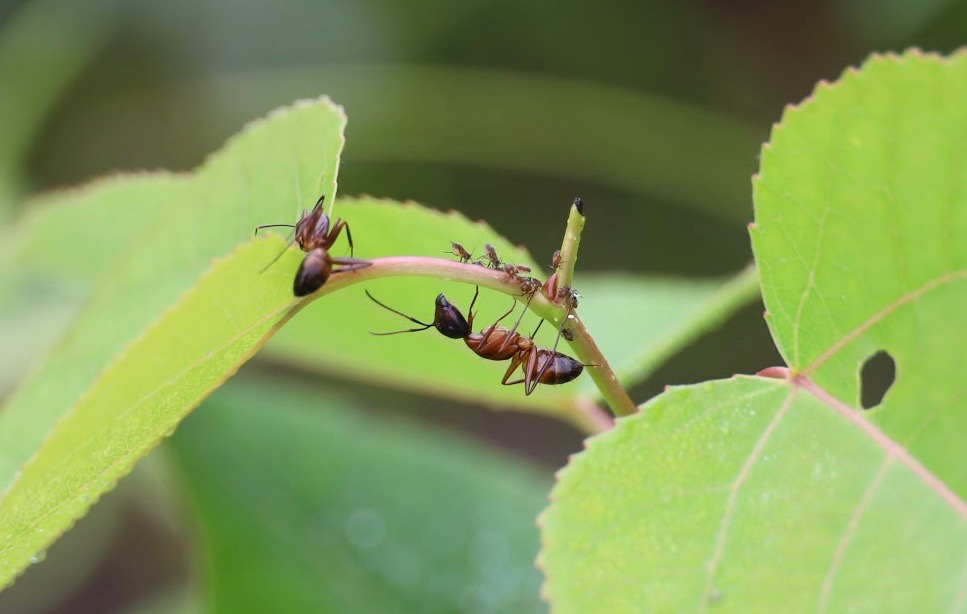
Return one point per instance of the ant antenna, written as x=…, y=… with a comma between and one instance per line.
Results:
x=258, y=228
x=423, y=325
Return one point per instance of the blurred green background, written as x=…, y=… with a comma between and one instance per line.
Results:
x=652, y=111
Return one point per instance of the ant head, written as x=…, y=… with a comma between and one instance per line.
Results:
x=307, y=229
x=448, y=320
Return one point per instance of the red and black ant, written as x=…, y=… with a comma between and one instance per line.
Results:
x=540, y=365
x=316, y=236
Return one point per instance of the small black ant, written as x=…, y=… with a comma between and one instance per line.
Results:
x=315, y=236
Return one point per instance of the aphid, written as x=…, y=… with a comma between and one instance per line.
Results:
x=514, y=270
x=316, y=236
x=556, y=260
x=458, y=251
x=490, y=254
x=539, y=365
x=529, y=285
x=569, y=296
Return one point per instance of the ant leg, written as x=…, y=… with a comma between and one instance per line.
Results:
x=334, y=234
x=533, y=370
x=513, y=330
x=319, y=202
x=349, y=237
x=485, y=334
x=550, y=359
x=534, y=334
x=514, y=363
x=350, y=264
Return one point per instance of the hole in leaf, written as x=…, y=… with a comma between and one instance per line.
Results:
x=876, y=377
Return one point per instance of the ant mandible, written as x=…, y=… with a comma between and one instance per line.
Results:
x=316, y=236
x=540, y=365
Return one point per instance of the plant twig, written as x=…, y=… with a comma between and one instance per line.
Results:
x=439, y=268
x=572, y=240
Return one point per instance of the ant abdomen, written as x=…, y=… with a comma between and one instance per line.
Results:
x=313, y=272
x=562, y=369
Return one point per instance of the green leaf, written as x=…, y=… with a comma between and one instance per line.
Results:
x=748, y=495
x=78, y=448
x=760, y=494
x=46, y=278
x=305, y=505
x=861, y=239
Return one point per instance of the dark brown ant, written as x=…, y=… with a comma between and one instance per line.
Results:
x=556, y=260
x=316, y=236
x=540, y=365
x=458, y=251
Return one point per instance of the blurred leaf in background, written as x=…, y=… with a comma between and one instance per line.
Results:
x=44, y=46
x=305, y=504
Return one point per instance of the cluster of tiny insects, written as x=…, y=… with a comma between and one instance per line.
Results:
x=315, y=235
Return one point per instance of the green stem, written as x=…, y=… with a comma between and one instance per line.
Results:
x=585, y=349
x=569, y=247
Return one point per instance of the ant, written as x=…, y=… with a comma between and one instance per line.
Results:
x=459, y=251
x=315, y=236
x=540, y=365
